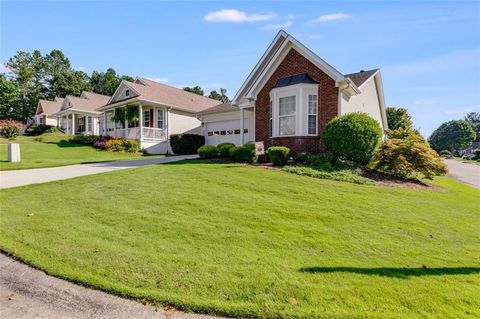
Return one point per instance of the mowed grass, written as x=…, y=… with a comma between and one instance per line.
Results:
x=250, y=242
x=53, y=152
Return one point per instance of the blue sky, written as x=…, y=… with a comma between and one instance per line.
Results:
x=429, y=52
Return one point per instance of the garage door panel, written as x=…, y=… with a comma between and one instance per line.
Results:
x=223, y=132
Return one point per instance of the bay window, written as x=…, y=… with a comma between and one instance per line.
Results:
x=286, y=115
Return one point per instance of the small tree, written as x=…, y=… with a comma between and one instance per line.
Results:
x=398, y=119
x=406, y=154
x=452, y=135
x=196, y=89
x=120, y=115
x=354, y=137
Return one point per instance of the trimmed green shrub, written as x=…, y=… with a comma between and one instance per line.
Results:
x=10, y=129
x=84, y=139
x=407, y=154
x=35, y=130
x=208, y=151
x=114, y=145
x=131, y=146
x=278, y=155
x=244, y=154
x=186, y=143
x=224, y=149
x=476, y=154
x=354, y=137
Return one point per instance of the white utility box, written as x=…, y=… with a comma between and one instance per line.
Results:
x=13, y=152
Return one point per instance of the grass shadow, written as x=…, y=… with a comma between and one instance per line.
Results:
x=67, y=144
x=395, y=272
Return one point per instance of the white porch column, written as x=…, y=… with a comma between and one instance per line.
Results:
x=104, y=123
x=68, y=124
x=140, y=120
x=114, y=125
x=73, y=123
x=242, y=139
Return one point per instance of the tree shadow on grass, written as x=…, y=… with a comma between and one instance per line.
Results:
x=67, y=144
x=395, y=272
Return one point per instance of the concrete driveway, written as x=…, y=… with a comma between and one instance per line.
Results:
x=42, y=175
x=464, y=172
x=29, y=293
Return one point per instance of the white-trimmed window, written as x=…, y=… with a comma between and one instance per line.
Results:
x=89, y=123
x=312, y=114
x=81, y=124
x=146, y=118
x=127, y=92
x=160, y=118
x=271, y=119
x=286, y=115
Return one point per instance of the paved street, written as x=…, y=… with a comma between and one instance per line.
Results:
x=464, y=172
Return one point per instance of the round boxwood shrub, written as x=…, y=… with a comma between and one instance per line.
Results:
x=278, y=155
x=446, y=154
x=244, y=154
x=354, y=137
x=186, y=143
x=224, y=149
x=208, y=151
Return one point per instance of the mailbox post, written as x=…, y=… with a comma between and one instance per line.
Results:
x=13, y=152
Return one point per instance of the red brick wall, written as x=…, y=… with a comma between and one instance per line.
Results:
x=295, y=63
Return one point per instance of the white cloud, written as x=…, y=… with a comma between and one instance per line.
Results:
x=160, y=79
x=232, y=15
x=308, y=36
x=425, y=102
x=332, y=17
x=278, y=26
x=80, y=68
x=4, y=69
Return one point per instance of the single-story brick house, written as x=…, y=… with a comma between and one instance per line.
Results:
x=289, y=97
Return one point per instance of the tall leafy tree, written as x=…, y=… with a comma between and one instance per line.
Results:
x=10, y=97
x=474, y=119
x=452, y=135
x=196, y=89
x=107, y=82
x=398, y=119
x=71, y=82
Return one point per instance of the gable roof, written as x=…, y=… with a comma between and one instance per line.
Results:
x=151, y=91
x=359, y=78
x=87, y=102
x=295, y=79
x=275, y=53
x=49, y=107
x=226, y=107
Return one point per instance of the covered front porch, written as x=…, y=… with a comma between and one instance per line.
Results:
x=74, y=122
x=143, y=122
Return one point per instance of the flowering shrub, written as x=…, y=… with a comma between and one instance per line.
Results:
x=10, y=129
x=101, y=142
x=115, y=144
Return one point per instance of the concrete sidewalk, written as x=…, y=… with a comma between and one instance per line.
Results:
x=29, y=293
x=16, y=178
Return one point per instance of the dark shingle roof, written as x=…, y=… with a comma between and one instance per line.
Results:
x=226, y=107
x=295, y=79
x=360, y=77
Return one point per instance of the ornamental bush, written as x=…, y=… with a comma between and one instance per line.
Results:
x=446, y=154
x=208, y=151
x=354, y=137
x=131, y=146
x=186, y=143
x=278, y=155
x=224, y=149
x=244, y=154
x=35, y=130
x=114, y=145
x=10, y=129
x=84, y=139
x=407, y=154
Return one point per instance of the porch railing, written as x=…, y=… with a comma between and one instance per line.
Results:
x=149, y=133
x=152, y=133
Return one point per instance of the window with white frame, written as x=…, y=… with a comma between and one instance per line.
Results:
x=89, y=123
x=146, y=118
x=312, y=114
x=271, y=119
x=127, y=92
x=81, y=124
x=286, y=115
x=160, y=118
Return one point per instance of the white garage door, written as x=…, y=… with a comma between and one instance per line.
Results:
x=223, y=131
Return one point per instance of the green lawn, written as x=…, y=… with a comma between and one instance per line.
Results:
x=52, y=152
x=248, y=241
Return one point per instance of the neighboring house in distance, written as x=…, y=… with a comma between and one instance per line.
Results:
x=163, y=110
x=46, y=110
x=79, y=115
x=289, y=97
